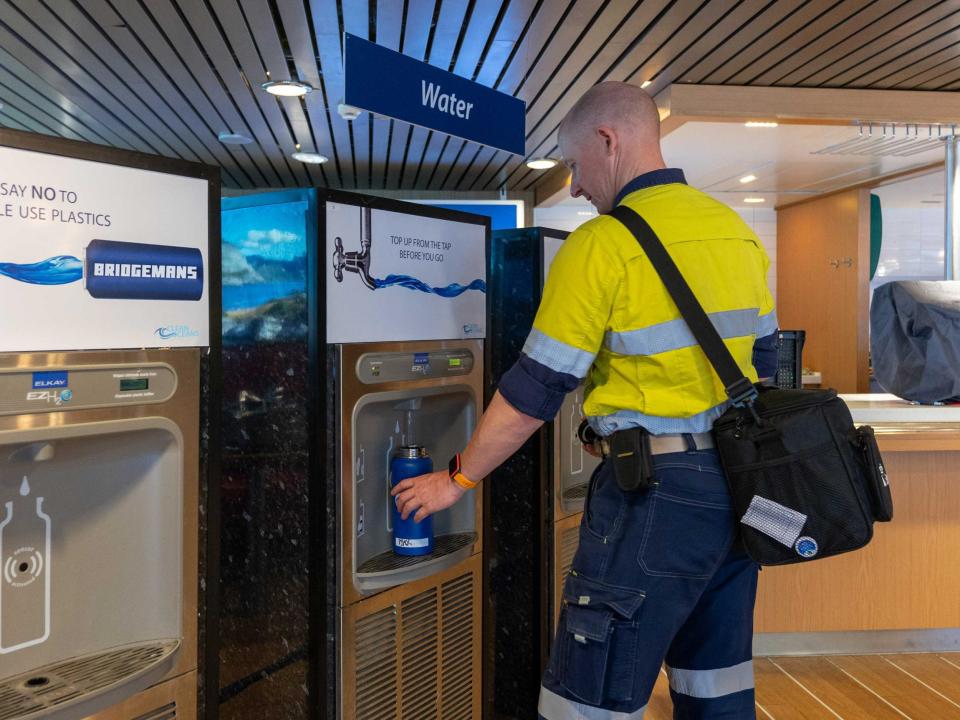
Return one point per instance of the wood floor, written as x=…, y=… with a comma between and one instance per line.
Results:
x=921, y=686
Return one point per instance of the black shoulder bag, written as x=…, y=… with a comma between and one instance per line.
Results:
x=806, y=484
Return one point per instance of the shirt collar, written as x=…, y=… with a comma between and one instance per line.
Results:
x=664, y=176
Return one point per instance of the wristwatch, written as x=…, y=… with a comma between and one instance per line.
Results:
x=456, y=474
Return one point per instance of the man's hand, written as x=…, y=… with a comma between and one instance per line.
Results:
x=593, y=449
x=426, y=494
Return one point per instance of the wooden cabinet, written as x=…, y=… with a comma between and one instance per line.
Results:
x=823, y=267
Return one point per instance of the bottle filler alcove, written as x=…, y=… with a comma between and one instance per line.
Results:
x=386, y=635
x=536, y=498
x=98, y=529
x=105, y=365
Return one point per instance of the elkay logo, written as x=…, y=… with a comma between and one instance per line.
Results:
x=48, y=380
x=179, y=331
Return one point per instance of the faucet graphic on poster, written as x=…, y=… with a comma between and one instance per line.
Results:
x=25, y=583
x=359, y=262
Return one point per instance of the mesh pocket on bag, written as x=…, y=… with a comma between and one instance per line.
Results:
x=816, y=485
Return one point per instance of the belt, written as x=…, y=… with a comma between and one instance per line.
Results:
x=664, y=444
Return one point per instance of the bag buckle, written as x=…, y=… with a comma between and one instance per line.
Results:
x=742, y=392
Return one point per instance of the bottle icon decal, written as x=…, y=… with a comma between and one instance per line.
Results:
x=25, y=567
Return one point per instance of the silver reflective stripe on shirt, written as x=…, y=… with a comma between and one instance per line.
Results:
x=556, y=355
x=656, y=424
x=675, y=334
x=712, y=683
x=554, y=707
x=767, y=324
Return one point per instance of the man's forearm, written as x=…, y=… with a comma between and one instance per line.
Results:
x=501, y=432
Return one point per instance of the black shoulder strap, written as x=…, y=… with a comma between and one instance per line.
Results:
x=738, y=387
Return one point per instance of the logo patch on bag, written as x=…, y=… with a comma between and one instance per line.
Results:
x=806, y=547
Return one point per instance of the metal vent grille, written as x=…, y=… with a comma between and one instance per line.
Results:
x=416, y=659
x=418, y=637
x=376, y=653
x=442, y=545
x=61, y=683
x=167, y=712
x=890, y=140
x=569, y=542
x=457, y=670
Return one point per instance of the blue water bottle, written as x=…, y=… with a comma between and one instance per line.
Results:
x=409, y=537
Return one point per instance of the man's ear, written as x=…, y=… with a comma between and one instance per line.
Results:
x=609, y=137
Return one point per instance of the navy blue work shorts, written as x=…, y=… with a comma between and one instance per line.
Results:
x=659, y=581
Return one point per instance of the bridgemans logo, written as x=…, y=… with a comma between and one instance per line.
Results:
x=139, y=271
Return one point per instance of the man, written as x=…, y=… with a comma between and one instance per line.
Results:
x=658, y=577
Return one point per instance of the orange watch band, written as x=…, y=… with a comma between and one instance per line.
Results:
x=456, y=474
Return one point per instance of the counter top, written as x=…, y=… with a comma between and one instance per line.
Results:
x=902, y=426
x=884, y=408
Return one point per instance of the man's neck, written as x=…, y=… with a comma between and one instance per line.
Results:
x=635, y=170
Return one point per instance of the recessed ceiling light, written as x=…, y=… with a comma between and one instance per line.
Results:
x=748, y=179
x=544, y=163
x=645, y=84
x=229, y=138
x=584, y=212
x=757, y=123
x=754, y=200
x=309, y=157
x=287, y=88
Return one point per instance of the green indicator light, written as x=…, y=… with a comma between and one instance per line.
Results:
x=454, y=362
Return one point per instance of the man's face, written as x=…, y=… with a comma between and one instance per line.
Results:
x=588, y=158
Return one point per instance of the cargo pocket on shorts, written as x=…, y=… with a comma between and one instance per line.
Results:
x=685, y=537
x=597, y=641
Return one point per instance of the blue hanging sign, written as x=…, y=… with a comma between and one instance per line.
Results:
x=389, y=83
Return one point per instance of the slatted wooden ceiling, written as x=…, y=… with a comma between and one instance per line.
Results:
x=166, y=76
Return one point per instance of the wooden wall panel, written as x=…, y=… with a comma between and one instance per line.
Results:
x=906, y=578
x=828, y=301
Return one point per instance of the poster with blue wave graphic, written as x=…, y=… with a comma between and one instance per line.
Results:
x=99, y=256
x=394, y=276
x=264, y=264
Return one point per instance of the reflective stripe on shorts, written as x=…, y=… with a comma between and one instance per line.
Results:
x=554, y=707
x=712, y=683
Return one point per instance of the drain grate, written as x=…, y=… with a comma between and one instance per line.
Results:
x=442, y=545
x=577, y=492
x=60, y=683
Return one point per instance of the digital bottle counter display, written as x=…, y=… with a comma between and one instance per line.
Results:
x=131, y=384
x=402, y=366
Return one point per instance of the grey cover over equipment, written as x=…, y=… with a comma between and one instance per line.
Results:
x=915, y=339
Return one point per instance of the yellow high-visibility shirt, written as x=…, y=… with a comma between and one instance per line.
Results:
x=605, y=314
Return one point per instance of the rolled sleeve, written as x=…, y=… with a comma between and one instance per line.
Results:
x=535, y=389
x=765, y=355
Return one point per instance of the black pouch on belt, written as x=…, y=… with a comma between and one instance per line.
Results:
x=632, y=463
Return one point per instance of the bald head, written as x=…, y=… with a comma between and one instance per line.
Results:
x=618, y=105
x=610, y=136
